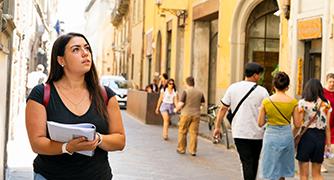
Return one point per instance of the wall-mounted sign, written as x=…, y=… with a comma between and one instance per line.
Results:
x=309, y=29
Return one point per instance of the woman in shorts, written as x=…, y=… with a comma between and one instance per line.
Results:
x=166, y=104
x=316, y=140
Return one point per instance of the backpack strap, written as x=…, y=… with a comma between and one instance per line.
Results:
x=46, y=96
x=104, y=95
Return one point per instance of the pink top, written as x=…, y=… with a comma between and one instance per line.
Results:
x=330, y=97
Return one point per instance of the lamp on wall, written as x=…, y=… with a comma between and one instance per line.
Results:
x=181, y=14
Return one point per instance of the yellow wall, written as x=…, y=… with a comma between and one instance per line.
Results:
x=226, y=10
x=154, y=21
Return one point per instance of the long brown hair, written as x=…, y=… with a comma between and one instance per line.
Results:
x=91, y=77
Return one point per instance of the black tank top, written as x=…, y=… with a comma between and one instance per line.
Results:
x=76, y=166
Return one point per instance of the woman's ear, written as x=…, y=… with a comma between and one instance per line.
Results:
x=60, y=60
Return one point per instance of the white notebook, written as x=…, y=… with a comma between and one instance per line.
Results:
x=65, y=132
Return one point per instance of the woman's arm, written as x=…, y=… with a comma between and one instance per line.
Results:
x=115, y=140
x=328, y=132
x=297, y=117
x=159, y=102
x=262, y=115
x=176, y=99
x=36, y=129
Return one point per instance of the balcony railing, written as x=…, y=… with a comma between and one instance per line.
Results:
x=121, y=8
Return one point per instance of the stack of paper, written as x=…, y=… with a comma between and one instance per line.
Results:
x=65, y=132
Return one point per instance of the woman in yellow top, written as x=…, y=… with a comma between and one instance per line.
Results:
x=277, y=160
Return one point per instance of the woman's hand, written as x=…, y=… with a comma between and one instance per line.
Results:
x=82, y=144
x=157, y=111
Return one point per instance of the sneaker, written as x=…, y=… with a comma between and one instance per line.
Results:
x=323, y=169
x=180, y=152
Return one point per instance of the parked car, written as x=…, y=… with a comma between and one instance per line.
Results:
x=120, y=86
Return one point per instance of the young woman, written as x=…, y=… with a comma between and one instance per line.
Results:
x=75, y=97
x=316, y=139
x=166, y=104
x=277, y=160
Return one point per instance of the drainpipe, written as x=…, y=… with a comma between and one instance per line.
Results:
x=142, y=49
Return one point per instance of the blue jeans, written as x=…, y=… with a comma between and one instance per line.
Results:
x=38, y=177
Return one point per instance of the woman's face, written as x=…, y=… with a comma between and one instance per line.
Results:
x=330, y=84
x=170, y=84
x=77, y=57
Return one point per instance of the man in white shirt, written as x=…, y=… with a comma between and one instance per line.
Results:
x=245, y=131
x=36, y=77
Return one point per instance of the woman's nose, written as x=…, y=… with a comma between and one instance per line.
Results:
x=85, y=52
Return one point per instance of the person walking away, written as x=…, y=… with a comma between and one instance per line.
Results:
x=245, y=130
x=277, y=156
x=166, y=103
x=75, y=96
x=155, y=83
x=163, y=81
x=36, y=77
x=315, y=109
x=190, y=104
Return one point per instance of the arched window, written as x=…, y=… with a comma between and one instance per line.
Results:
x=262, y=39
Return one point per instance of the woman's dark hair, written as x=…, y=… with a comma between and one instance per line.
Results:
x=312, y=90
x=281, y=80
x=170, y=80
x=91, y=77
x=165, y=75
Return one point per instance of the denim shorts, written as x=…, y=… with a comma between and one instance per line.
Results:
x=312, y=146
x=39, y=177
x=166, y=107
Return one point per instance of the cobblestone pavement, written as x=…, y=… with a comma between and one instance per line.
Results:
x=145, y=157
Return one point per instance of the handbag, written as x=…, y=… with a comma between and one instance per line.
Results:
x=303, y=129
x=231, y=114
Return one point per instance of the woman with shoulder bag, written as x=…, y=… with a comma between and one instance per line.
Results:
x=314, y=108
x=75, y=97
x=277, y=160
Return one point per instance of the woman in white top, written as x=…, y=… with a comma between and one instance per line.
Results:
x=166, y=104
x=316, y=139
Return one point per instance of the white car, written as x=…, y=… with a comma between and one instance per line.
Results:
x=120, y=86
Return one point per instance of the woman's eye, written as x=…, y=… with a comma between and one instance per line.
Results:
x=75, y=49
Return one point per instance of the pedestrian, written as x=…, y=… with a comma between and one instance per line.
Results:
x=277, y=159
x=148, y=88
x=155, y=83
x=75, y=97
x=315, y=109
x=190, y=104
x=166, y=104
x=329, y=95
x=36, y=77
x=245, y=130
x=163, y=81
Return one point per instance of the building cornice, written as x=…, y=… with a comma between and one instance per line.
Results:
x=120, y=10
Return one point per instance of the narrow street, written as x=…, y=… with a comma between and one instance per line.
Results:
x=146, y=156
